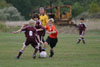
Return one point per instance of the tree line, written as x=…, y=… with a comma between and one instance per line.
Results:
x=78, y=6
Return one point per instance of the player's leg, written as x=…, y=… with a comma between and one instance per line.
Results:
x=42, y=40
x=79, y=40
x=36, y=46
x=82, y=37
x=40, y=48
x=83, y=40
x=46, y=43
x=21, y=51
x=53, y=43
x=35, y=51
x=26, y=43
x=51, y=52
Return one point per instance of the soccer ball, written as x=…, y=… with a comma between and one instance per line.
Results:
x=43, y=54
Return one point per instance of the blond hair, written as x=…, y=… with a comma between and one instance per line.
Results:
x=51, y=19
x=32, y=22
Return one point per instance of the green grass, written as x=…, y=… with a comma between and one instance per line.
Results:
x=67, y=52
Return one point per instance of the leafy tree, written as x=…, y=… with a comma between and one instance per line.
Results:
x=10, y=13
x=27, y=6
x=94, y=8
x=77, y=9
x=3, y=4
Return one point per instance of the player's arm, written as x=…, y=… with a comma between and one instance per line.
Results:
x=18, y=30
x=51, y=32
x=39, y=39
x=85, y=28
x=39, y=29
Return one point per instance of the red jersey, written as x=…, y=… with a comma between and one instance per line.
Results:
x=51, y=29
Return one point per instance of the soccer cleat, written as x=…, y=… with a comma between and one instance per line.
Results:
x=17, y=57
x=83, y=41
x=20, y=53
x=34, y=56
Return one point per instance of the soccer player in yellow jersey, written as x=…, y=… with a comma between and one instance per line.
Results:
x=43, y=17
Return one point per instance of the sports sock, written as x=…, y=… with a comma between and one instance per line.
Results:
x=40, y=49
x=51, y=53
x=19, y=54
x=78, y=41
x=83, y=40
x=35, y=51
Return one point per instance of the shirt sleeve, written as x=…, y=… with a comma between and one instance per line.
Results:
x=24, y=29
x=85, y=26
x=54, y=28
x=46, y=27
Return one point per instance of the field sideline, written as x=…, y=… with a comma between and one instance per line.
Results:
x=67, y=52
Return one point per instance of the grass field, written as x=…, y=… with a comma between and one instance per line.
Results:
x=67, y=52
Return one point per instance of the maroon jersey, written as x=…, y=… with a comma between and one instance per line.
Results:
x=30, y=32
x=38, y=26
x=81, y=27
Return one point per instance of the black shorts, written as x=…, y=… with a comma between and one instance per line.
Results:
x=33, y=42
x=52, y=41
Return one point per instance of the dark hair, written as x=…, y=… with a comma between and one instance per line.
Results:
x=81, y=18
x=36, y=16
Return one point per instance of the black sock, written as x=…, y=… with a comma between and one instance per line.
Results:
x=83, y=40
x=35, y=51
x=43, y=49
x=51, y=54
x=78, y=41
x=19, y=54
x=40, y=49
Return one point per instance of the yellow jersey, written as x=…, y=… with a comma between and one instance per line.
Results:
x=44, y=19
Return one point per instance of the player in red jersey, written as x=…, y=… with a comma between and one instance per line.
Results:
x=31, y=38
x=82, y=30
x=52, y=38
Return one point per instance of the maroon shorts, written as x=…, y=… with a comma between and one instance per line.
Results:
x=33, y=42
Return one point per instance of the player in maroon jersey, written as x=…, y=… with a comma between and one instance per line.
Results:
x=31, y=38
x=82, y=29
x=40, y=29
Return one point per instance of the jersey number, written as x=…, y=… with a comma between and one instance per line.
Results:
x=30, y=33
